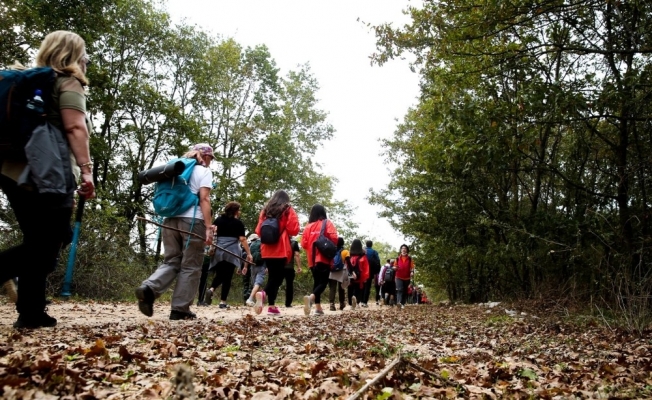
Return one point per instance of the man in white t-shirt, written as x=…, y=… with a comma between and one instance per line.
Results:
x=183, y=257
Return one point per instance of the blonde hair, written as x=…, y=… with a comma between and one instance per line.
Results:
x=63, y=50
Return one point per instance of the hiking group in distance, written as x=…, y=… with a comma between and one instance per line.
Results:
x=266, y=258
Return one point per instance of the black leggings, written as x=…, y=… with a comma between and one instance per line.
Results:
x=275, y=275
x=45, y=230
x=320, y=273
x=223, y=276
x=288, y=275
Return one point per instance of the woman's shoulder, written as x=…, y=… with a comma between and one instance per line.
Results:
x=67, y=83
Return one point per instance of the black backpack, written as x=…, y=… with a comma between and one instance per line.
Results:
x=324, y=245
x=389, y=274
x=24, y=99
x=270, y=231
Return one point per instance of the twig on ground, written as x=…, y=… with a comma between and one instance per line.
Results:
x=378, y=377
x=431, y=373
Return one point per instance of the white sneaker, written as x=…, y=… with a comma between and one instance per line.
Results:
x=250, y=302
x=354, y=303
x=260, y=300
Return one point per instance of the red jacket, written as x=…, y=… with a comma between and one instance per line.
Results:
x=363, y=265
x=289, y=226
x=310, y=235
x=405, y=266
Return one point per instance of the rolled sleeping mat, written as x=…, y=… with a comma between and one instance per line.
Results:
x=161, y=173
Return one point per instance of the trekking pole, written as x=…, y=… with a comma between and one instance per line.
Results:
x=67, y=281
x=197, y=236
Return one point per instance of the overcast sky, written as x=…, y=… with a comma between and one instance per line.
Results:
x=363, y=102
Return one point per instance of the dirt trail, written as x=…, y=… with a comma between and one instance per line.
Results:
x=92, y=313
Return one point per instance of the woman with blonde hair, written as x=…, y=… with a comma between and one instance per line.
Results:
x=65, y=109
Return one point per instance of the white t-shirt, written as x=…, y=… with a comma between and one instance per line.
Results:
x=201, y=177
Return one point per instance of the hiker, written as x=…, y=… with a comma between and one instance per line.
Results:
x=203, y=277
x=290, y=273
x=277, y=222
x=229, y=235
x=257, y=272
x=404, y=272
x=374, y=270
x=338, y=279
x=65, y=109
x=359, y=272
x=183, y=253
x=320, y=265
x=387, y=281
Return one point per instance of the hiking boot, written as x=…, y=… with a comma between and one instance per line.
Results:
x=333, y=307
x=273, y=310
x=342, y=306
x=208, y=296
x=181, y=315
x=354, y=303
x=40, y=320
x=145, y=296
x=201, y=304
x=224, y=305
x=319, y=312
x=260, y=300
x=364, y=305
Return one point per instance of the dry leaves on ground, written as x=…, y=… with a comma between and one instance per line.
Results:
x=449, y=352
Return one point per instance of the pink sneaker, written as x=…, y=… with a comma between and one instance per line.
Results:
x=273, y=310
x=260, y=300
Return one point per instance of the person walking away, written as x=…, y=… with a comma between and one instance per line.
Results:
x=388, y=282
x=289, y=272
x=404, y=272
x=246, y=276
x=277, y=222
x=320, y=266
x=203, y=278
x=257, y=271
x=183, y=253
x=359, y=268
x=230, y=235
x=374, y=270
x=65, y=109
x=338, y=279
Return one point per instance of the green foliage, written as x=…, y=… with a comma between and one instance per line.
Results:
x=522, y=170
x=156, y=88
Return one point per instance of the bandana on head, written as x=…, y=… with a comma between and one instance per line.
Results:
x=204, y=149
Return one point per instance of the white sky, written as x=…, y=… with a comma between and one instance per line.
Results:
x=363, y=101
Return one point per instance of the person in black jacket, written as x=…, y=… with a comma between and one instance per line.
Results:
x=374, y=270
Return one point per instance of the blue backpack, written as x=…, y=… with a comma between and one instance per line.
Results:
x=17, y=122
x=173, y=197
x=338, y=263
